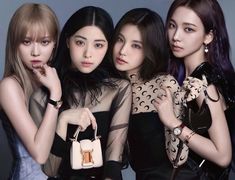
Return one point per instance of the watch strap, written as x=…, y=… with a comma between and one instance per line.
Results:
x=56, y=104
x=180, y=128
x=182, y=125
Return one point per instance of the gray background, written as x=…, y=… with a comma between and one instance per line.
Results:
x=64, y=10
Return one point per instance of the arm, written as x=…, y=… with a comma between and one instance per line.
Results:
x=118, y=131
x=218, y=147
x=82, y=117
x=79, y=116
x=13, y=102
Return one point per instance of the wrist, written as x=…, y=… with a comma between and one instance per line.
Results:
x=174, y=123
x=56, y=94
x=177, y=130
x=56, y=103
x=188, y=137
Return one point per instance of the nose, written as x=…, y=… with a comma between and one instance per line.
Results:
x=87, y=52
x=176, y=35
x=123, y=50
x=35, y=50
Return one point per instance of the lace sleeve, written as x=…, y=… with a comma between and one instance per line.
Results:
x=119, y=125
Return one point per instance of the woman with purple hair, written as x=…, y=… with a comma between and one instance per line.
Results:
x=199, y=44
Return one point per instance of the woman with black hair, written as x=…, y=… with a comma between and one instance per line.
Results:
x=91, y=96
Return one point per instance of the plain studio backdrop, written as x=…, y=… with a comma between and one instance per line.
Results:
x=64, y=9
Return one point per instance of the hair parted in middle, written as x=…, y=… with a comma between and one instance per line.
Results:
x=71, y=78
x=212, y=18
x=37, y=20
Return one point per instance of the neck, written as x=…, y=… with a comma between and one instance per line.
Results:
x=190, y=67
x=192, y=61
x=134, y=78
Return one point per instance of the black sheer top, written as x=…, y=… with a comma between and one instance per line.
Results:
x=112, y=112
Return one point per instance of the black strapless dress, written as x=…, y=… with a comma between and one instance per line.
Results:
x=148, y=155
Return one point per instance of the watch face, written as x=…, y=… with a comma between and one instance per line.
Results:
x=177, y=131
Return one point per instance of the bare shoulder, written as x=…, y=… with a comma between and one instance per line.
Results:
x=10, y=87
x=9, y=84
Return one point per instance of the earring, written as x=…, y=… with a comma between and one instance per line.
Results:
x=206, y=49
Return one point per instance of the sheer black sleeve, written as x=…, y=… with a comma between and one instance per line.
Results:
x=118, y=130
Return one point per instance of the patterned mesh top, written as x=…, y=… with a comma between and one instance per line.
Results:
x=146, y=132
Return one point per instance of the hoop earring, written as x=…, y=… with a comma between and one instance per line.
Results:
x=206, y=49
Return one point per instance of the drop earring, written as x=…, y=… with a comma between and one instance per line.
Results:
x=206, y=49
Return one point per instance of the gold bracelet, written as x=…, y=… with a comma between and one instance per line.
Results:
x=187, y=138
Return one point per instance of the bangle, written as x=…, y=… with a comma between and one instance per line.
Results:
x=188, y=137
x=56, y=104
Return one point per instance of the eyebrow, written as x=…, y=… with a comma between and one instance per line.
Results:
x=135, y=41
x=31, y=38
x=184, y=23
x=189, y=24
x=96, y=40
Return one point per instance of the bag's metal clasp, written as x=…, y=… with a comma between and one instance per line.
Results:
x=87, y=159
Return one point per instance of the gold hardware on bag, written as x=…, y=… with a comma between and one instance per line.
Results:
x=87, y=159
x=86, y=153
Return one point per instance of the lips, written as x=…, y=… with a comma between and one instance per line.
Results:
x=35, y=61
x=176, y=48
x=120, y=61
x=86, y=64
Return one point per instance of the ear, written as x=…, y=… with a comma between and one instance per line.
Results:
x=209, y=37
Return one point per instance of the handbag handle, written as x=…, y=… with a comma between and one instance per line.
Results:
x=75, y=135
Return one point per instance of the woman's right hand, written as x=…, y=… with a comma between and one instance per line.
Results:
x=48, y=77
x=164, y=107
x=82, y=117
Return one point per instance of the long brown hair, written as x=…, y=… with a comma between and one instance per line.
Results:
x=35, y=19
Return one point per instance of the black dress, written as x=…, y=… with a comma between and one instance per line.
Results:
x=208, y=170
x=146, y=136
x=112, y=111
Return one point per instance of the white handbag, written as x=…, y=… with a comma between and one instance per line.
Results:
x=86, y=153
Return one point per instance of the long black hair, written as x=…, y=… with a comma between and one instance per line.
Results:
x=212, y=17
x=151, y=27
x=73, y=80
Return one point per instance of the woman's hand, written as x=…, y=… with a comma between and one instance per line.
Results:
x=164, y=107
x=48, y=77
x=82, y=117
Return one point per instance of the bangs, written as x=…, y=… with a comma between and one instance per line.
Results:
x=37, y=27
x=36, y=31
